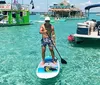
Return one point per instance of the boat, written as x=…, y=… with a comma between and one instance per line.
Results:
x=43, y=21
x=90, y=29
x=14, y=14
x=39, y=21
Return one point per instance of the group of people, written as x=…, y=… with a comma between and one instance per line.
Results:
x=91, y=24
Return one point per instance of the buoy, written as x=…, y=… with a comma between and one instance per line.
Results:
x=70, y=38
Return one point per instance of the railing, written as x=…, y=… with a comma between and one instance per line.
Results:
x=14, y=7
x=59, y=7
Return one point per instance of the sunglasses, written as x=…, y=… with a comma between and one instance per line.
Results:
x=47, y=21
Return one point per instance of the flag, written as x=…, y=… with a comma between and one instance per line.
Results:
x=32, y=3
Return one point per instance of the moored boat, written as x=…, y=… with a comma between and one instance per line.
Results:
x=14, y=14
x=89, y=29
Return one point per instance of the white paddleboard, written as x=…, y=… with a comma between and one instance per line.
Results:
x=49, y=69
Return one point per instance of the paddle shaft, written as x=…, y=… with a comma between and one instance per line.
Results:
x=56, y=48
x=62, y=60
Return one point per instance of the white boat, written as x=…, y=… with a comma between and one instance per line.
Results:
x=89, y=29
x=40, y=21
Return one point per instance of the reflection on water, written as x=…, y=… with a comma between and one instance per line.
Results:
x=88, y=43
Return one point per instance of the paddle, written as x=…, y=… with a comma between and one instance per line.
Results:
x=62, y=60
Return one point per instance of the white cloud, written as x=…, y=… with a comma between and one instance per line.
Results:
x=86, y=3
x=37, y=7
x=68, y=1
x=83, y=5
x=89, y=2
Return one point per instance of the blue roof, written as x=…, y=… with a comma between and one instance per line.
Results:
x=92, y=6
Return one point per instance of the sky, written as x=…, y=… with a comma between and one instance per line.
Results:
x=43, y=5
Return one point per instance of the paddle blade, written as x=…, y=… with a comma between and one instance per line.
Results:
x=63, y=61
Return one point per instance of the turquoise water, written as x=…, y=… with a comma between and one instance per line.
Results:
x=20, y=54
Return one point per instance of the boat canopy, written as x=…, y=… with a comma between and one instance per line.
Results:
x=92, y=6
x=2, y=2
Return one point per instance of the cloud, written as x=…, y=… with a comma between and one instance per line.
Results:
x=37, y=7
x=83, y=5
x=68, y=1
x=86, y=3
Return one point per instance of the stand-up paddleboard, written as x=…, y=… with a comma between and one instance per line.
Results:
x=49, y=69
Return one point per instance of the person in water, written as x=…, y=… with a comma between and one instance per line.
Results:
x=48, y=33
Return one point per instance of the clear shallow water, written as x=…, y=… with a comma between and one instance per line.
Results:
x=20, y=53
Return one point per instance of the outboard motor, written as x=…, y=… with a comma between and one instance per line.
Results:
x=98, y=23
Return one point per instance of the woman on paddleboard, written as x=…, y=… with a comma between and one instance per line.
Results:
x=48, y=33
